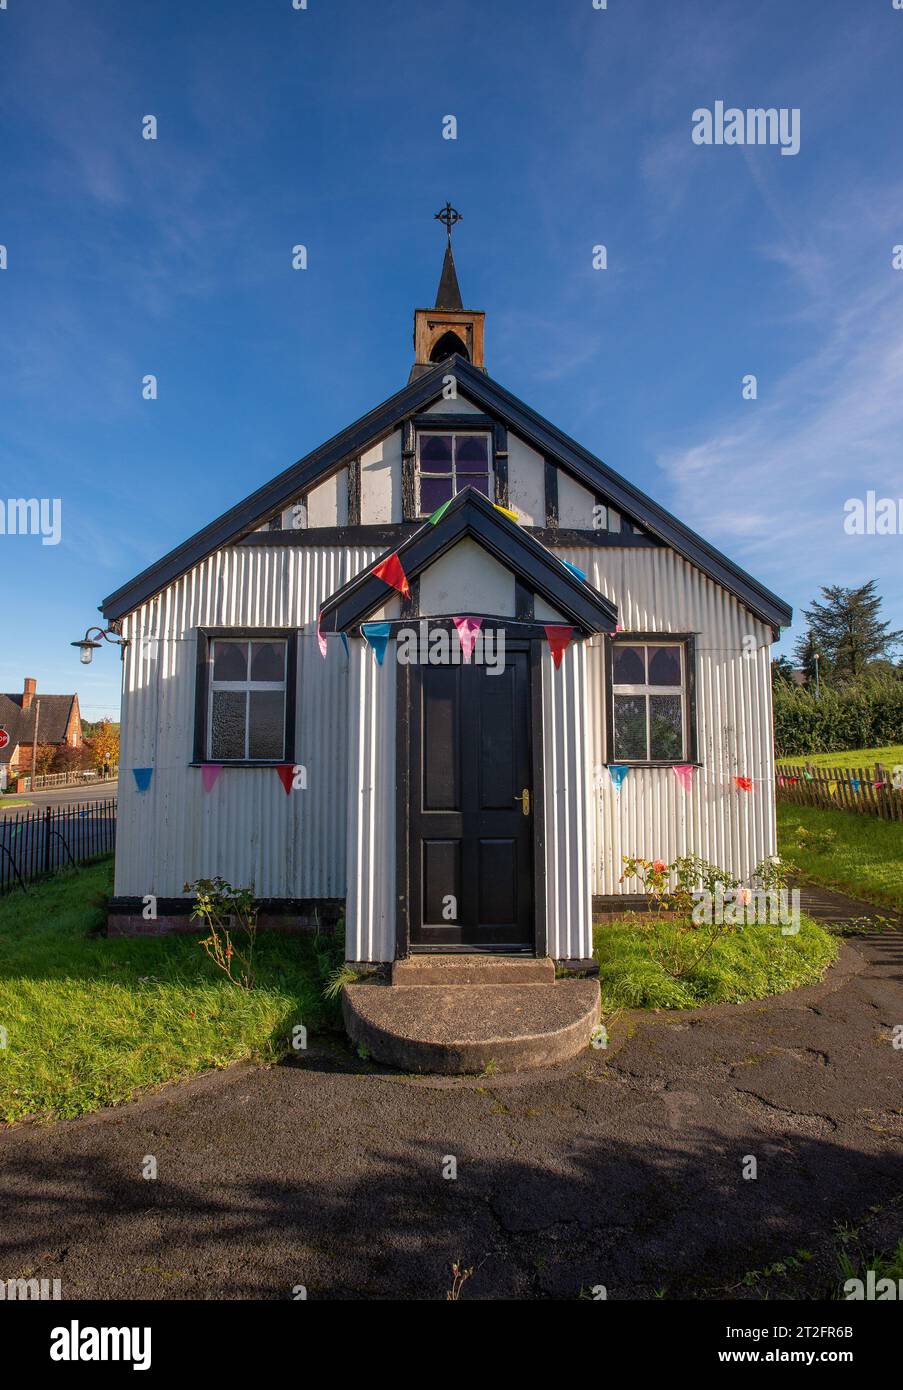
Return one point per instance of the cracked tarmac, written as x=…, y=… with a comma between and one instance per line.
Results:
x=621, y=1168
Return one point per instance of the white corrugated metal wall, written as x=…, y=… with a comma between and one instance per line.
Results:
x=246, y=828
x=298, y=846
x=566, y=745
x=370, y=905
x=652, y=816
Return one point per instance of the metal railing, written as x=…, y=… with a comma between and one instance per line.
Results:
x=35, y=843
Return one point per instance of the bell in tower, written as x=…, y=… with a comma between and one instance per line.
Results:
x=448, y=327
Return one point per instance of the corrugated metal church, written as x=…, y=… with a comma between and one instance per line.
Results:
x=438, y=678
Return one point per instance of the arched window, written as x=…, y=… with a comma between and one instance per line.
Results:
x=447, y=345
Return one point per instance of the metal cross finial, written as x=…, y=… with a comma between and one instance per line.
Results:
x=448, y=217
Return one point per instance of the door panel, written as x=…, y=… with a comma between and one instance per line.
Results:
x=471, y=852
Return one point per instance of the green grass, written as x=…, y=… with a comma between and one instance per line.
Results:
x=92, y=1022
x=857, y=854
x=857, y=757
x=636, y=951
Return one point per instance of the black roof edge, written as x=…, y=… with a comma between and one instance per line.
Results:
x=363, y=434
x=535, y=429
x=635, y=503
x=472, y=514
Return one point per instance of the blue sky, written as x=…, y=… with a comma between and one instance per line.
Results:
x=324, y=127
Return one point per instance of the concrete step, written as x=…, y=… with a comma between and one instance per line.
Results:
x=473, y=970
x=464, y=1029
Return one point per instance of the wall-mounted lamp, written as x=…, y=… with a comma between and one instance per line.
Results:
x=87, y=645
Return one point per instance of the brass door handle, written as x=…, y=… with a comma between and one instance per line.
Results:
x=524, y=800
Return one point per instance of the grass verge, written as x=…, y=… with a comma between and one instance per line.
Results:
x=855, y=757
x=639, y=956
x=91, y=1021
x=856, y=854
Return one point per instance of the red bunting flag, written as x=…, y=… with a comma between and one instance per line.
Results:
x=558, y=637
x=391, y=571
x=744, y=783
x=286, y=775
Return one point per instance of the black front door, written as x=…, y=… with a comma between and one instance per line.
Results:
x=471, y=813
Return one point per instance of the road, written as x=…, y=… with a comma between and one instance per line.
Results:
x=59, y=796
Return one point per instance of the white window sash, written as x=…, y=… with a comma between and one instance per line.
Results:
x=452, y=473
x=645, y=690
x=247, y=688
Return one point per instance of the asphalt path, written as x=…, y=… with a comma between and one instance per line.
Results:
x=623, y=1169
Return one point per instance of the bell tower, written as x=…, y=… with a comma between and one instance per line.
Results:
x=448, y=327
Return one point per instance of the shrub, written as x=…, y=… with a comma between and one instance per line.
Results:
x=864, y=714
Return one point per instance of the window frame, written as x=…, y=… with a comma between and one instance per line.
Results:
x=686, y=641
x=456, y=432
x=204, y=687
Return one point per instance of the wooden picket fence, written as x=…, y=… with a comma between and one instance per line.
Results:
x=868, y=790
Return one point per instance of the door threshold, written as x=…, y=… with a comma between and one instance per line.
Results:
x=450, y=950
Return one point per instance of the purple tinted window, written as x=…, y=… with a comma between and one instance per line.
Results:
x=433, y=492
x=436, y=453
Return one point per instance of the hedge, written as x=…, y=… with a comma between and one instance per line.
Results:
x=864, y=715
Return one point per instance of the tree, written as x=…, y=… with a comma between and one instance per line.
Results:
x=46, y=752
x=845, y=628
x=782, y=669
x=105, y=745
x=805, y=652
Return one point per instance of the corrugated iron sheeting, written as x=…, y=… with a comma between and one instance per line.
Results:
x=370, y=906
x=652, y=816
x=568, y=834
x=246, y=828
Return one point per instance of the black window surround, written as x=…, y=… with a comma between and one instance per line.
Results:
x=203, y=673
x=687, y=642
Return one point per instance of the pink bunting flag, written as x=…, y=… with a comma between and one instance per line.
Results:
x=209, y=774
x=780, y=781
x=558, y=637
x=467, y=635
x=321, y=641
x=744, y=783
x=684, y=774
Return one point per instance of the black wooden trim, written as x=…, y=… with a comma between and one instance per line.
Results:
x=202, y=688
x=410, y=602
x=539, y=433
x=408, y=471
x=515, y=629
x=403, y=694
x=559, y=537
x=396, y=533
x=201, y=692
x=386, y=533
x=446, y=420
x=540, y=924
x=406, y=689
x=524, y=601
x=500, y=464
x=354, y=492
x=183, y=907
x=551, y=496
x=692, y=729
x=688, y=641
x=471, y=514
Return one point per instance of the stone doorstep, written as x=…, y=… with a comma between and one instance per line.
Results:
x=463, y=1029
x=444, y=970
